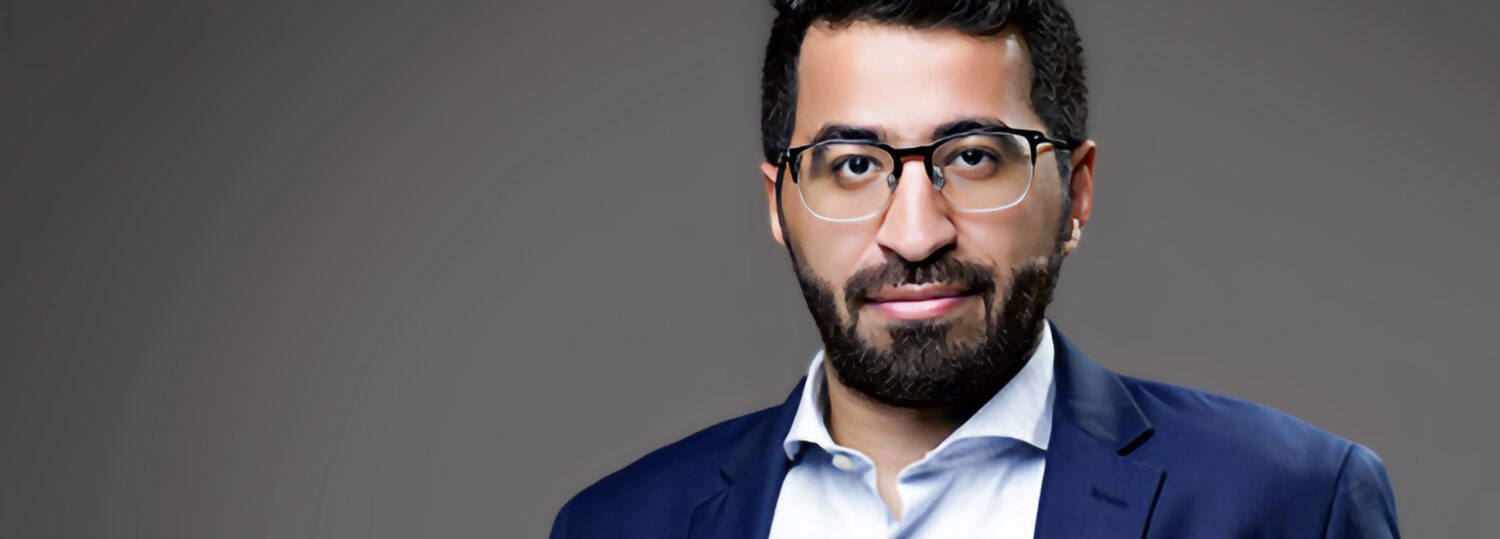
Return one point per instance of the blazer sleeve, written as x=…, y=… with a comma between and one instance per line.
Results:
x=1363, y=505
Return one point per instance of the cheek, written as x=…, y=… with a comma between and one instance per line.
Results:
x=1012, y=236
x=830, y=251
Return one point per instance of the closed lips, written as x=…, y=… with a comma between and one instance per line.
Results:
x=919, y=292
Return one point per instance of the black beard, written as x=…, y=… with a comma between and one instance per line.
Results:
x=923, y=367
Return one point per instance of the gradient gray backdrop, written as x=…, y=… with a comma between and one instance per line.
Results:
x=379, y=269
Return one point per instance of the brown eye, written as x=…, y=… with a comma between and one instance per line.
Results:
x=854, y=166
x=974, y=157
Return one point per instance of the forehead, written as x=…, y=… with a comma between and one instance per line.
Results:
x=907, y=81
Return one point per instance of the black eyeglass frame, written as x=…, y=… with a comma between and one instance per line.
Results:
x=789, y=158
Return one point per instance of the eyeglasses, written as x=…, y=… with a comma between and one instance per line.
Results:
x=985, y=170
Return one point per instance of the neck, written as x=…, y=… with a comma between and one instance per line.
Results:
x=892, y=436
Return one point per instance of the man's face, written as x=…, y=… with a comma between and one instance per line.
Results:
x=924, y=304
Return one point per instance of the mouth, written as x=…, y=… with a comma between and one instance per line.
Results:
x=919, y=302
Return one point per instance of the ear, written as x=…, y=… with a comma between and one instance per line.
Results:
x=1081, y=191
x=768, y=170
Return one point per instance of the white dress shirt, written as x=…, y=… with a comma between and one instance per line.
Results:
x=984, y=480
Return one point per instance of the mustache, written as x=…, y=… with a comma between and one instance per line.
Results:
x=964, y=274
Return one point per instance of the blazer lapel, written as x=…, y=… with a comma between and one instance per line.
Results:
x=752, y=476
x=1091, y=488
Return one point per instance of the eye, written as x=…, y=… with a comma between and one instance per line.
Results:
x=854, y=167
x=973, y=157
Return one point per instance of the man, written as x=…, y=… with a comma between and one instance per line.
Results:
x=927, y=169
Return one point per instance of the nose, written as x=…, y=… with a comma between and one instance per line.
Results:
x=918, y=222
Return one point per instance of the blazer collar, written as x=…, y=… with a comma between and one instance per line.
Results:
x=1095, y=400
x=1091, y=488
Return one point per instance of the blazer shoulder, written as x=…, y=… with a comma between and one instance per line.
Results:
x=663, y=484
x=1229, y=428
x=1263, y=464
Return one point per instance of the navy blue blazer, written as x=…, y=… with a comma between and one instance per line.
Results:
x=1127, y=458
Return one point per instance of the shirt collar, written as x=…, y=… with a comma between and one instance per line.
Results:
x=1020, y=410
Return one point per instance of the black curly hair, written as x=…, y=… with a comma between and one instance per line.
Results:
x=1058, y=93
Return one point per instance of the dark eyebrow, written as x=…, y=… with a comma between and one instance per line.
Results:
x=848, y=132
x=963, y=125
x=876, y=134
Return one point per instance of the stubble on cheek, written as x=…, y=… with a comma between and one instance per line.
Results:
x=874, y=334
x=969, y=329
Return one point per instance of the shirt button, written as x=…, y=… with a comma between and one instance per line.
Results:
x=843, y=462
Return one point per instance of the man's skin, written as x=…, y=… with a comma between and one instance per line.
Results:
x=905, y=82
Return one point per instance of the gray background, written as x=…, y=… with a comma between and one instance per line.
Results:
x=378, y=269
